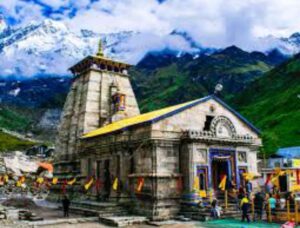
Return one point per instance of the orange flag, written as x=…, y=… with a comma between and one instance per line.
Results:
x=140, y=185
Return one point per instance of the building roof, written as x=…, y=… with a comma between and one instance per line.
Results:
x=154, y=116
x=289, y=152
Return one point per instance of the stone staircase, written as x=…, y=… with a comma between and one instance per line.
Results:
x=110, y=213
x=203, y=213
x=101, y=209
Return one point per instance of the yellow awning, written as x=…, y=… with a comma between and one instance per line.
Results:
x=143, y=118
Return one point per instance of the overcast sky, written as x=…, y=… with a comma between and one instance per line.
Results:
x=215, y=23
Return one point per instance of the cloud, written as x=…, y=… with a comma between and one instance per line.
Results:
x=216, y=23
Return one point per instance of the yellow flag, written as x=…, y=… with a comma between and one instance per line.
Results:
x=40, y=180
x=115, y=184
x=222, y=184
x=89, y=184
x=196, y=183
x=6, y=178
x=54, y=180
x=71, y=182
x=18, y=184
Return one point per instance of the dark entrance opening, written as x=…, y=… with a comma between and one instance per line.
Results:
x=283, y=183
x=219, y=170
x=107, y=180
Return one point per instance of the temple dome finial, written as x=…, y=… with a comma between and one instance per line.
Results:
x=100, y=49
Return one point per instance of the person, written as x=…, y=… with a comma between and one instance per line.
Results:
x=213, y=212
x=241, y=193
x=258, y=205
x=248, y=188
x=245, y=207
x=215, y=209
x=289, y=224
x=290, y=197
x=66, y=205
x=272, y=203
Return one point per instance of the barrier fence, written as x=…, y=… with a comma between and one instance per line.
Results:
x=286, y=210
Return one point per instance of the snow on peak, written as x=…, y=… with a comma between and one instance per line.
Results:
x=50, y=47
x=3, y=25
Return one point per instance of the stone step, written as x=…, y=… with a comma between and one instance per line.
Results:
x=121, y=221
x=95, y=212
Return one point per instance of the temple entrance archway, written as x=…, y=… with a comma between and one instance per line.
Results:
x=222, y=163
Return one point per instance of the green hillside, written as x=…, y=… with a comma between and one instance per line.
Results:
x=265, y=95
x=159, y=81
x=272, y=104
x=13, y=120
x=10, y=143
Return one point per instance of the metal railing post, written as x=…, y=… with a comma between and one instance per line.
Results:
x=296, y=212
x=252, y=209
x=226, y=199
x=269, y=210
x=288, y=210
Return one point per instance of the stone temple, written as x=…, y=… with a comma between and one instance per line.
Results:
x=103, y=135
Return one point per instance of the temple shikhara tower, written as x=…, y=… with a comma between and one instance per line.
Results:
x=152, y=159
x=100, y=94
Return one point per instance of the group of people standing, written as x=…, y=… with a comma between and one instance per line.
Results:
x=263, y=200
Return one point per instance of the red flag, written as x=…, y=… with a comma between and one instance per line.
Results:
x=98, y=185
x=179, y=184
x=64, y=186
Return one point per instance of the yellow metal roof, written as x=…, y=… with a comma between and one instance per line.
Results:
x=143, y=118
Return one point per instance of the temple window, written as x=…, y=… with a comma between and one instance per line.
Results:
x=118, y=100
x=207, y=123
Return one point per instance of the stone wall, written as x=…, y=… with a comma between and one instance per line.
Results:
x=88, y=107
x=194, y=119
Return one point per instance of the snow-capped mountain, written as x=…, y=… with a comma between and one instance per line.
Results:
x=50, y=48
x=286, y=45
x=3, y=25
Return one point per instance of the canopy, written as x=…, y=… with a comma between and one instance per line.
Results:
x=289, y=152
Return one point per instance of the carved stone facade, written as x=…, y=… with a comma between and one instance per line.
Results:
x=204, y=139
x=89, y=104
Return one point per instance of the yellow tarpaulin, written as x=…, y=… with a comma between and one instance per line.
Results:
x=137, y=119
x=296, y=163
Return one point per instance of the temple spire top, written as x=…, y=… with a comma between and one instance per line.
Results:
x=100, y=49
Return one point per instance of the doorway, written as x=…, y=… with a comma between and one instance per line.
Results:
x=283, y=183
x=220, y=168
